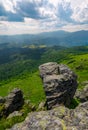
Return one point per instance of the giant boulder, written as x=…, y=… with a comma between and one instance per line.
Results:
x=60, y=83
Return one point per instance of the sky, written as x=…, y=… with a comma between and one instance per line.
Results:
x=36, y=16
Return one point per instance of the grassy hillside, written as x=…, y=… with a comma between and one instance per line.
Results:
x=28, y=78
x=32, y=82
x=19, y=68
x=79, y=64
x=31, y=85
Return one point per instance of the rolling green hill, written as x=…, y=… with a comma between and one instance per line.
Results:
x=79, y=64
x=19, y=68
x=22, y=68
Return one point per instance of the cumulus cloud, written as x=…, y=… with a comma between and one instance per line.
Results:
x=80, y=12
x=43, y=15
x=8, y=12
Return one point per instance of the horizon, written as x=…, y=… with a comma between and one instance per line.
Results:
x=18, y=17
x=42, y=33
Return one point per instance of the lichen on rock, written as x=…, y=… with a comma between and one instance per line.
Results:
x=60, y=118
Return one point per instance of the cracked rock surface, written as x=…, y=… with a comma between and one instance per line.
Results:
x=60, y=118
x=60, y=83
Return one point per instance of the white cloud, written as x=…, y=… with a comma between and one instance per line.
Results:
x=73, y=28
x=30, y=26
x=34, y=16
x=9, y=5
x=80, y=11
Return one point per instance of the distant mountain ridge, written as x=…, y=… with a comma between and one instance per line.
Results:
x=49, y=38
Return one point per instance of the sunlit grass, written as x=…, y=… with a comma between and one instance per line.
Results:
x=79, y=64
x=31, y=86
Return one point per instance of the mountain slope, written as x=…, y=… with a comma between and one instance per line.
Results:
x=22, y=70
x=29, y=81
x=49, y=38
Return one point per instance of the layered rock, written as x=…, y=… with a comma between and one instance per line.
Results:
x=50, y=68
x=13, y=101
x=60, y=83
x=59, y=118
x=82, y=94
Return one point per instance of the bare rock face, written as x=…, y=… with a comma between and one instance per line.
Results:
x=50, y=68
x=60, y=83
x=82, y=95
x=13, y=101
x=59, y=118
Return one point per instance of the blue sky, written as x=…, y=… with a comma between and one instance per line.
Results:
x=36, y=16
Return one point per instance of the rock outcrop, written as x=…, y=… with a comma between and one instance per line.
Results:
x=60, y=84
x=13, y=101
x=82, y=95
x=59, y=118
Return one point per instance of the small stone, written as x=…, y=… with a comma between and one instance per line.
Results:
x=27, y=101
x=82, y=95
x=41, y=106
x=15, y=113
